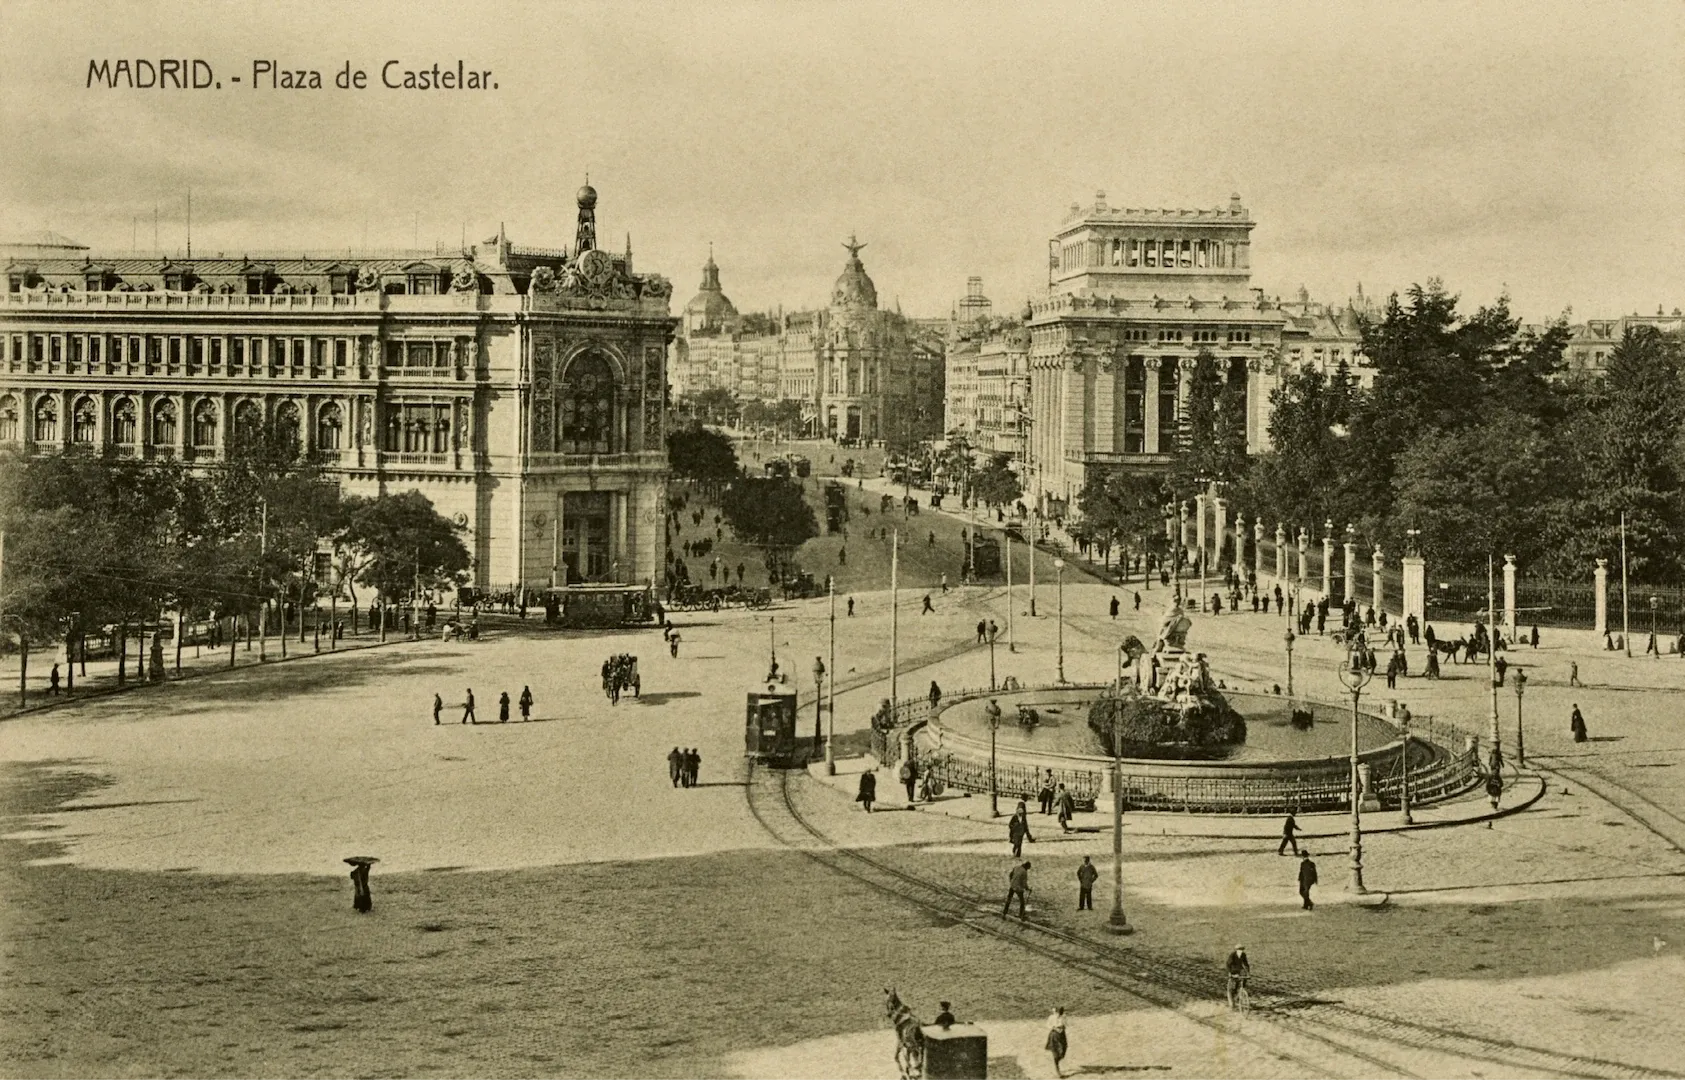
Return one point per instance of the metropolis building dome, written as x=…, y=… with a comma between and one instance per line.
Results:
x=854, y=289
x=710, y=310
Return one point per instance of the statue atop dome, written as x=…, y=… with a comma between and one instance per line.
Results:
x=854, y=289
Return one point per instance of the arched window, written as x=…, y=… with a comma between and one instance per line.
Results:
x=286, y=423
x=8, y=419
x=164, y=423
x=248, y=421
x=123, y=431
x=328, y=427
x=84, y=423
x=204, y=424
x=46, y=421
x=588, y=406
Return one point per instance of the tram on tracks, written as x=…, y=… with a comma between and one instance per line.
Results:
x=769, y=729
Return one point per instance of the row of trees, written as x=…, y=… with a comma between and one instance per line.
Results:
x=94, y=542
x=1475, y=435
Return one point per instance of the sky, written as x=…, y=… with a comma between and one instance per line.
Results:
x=1534, y=149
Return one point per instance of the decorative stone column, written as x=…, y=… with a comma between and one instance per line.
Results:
x=1199, y=525
x=1258, y=549
x=1415, y=588
x=1304, y=548
x=1220, y=525
x=1350, y=588
x=1600, y=578
x=1378, y=592
x=1240, y=547
x=1280, y=552
x=1149, y=407
x=1328, y=560
x=1509, y=596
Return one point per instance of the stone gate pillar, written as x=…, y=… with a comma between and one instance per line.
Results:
x=1219, y=526
x=1328, y=560
x=1600, y=578
x=1415, y=588
x=1378, y=591
x=1350, y=589
x=1200, y=502
x=1509, y=596
x=1258, y=550
x=1280, y=553
x=1304, y=546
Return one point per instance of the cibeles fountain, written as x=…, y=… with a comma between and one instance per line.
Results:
x=1180, y=739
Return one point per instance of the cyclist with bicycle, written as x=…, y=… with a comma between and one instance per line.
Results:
x=1239, y=970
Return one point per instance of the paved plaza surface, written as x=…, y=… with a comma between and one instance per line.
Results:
x=547, y=903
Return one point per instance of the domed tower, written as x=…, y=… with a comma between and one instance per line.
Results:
x=586, y=238
x=709, y=310
x=854, y=289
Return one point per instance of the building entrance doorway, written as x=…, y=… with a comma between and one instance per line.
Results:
x=854, y=423
x=585, y=536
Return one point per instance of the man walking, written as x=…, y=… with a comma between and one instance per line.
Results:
x=1114, y=607
x=693, y=766
x=935, y=695
x=1018, y=884
x=468, y=709
x=675, y=766
x=438, y=707
x=1067, y=809
x=982, y=629
x=1577, y=724
x=1018, y=830
x=1289, y=829
x=928, y=610
x=851, y=607
x=1087, y=874
x=1137, y=601
x=1307, y=878
x=1045, y=796
x=53, y=682
x=673, y=645
x=1573, y=673
x=503, y=707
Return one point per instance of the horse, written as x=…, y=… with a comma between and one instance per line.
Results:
x=909, y=1039
x=1448, y=649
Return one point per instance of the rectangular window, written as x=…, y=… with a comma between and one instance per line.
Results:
x=175, y=353
x=96, y=347
x=236, y=354
x=340, y=350
x=1205, y=337
x=1134, y=253
x=1240, y=337
x=423, y=285
x=421, y=354
x=394, y=354
x=1187, y=247
x=154, y=352
x=1170, y=335
x=1152, y=252
x=216, y=353
x=298, y=354
x=319, y=353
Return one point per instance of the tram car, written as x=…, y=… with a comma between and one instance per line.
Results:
x=802, y=466
x=769, y=733
x=985, y=554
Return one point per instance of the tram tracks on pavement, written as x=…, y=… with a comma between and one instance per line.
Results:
x=1323, y=1037
x=1666, y=825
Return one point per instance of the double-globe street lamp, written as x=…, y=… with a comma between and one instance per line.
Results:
x=1288, y=640
x=1520, y=742
x=1116, y=922
x=993, y=714
x=1355, y=674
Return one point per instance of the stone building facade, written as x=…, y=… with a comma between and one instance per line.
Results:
x=859, y=371
x=522, y=390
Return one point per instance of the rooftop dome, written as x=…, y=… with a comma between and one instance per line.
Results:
x=709, y=309
x=854, y=288
x=587, y=197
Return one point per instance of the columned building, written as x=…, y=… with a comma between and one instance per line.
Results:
x=1135, y=295
x=522, y=390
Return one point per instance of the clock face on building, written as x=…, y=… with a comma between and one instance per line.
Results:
x=538, y=520
x=596, y=266
x=461, y=521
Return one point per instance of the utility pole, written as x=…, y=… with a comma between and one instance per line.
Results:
x=415, y=601
x=1626, y=625
x=894, y=613
x=263, y=599
x=831, y=691
x=1011, y=640
x=1492, y=652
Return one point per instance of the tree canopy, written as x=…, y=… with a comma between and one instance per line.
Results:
x=770, y=513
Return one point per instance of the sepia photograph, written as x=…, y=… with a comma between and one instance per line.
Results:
x=1154, y=535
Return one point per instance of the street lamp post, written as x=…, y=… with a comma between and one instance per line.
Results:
x=1288, y=640
x=1355, y=674
x=831, y=705
x=1404, y=763
x=1656, y=646
x=818, y=702
x=1116, y=922
x=992, y=633
x=1520, y=742
x=1059, y=567
x=993, y=713
x=1011, y=635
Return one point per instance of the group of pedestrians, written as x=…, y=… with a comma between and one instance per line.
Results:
x=524, y=703
x=684, y=767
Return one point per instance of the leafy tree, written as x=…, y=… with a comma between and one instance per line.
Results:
x=695, y=453
x=715, y=405
x=995, y=484
x=1123, y=508
x=1303, y=476
x=389, y=539
x=770, y=513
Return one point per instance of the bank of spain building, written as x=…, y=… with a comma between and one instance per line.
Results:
x=523, y=391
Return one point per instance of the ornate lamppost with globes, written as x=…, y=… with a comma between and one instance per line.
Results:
x=993, y=714
x=1288, y=640
x=1655, y=606
x=1355, y=674
x=1520, y=742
